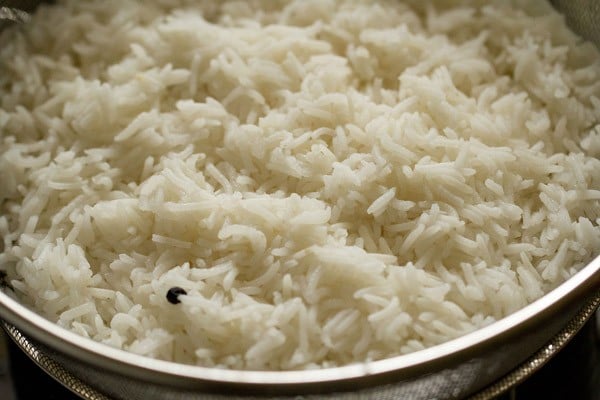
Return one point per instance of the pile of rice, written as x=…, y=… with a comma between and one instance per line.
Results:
x=330, y=181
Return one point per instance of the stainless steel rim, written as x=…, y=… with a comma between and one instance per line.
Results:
x=576, y=289
x=542, y=356
x=518, y=375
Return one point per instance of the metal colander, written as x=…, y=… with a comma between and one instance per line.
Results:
x=461, y=368
x=481, y=364
x=43, y=357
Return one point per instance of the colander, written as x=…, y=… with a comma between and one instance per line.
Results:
x=482, y=364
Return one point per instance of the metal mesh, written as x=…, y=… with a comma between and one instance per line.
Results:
x=94, y=384
x=583, y=16
x=126, y=389
x=51, y=367
x=540, y=358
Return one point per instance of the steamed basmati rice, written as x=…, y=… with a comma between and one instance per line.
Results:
x=330, y=181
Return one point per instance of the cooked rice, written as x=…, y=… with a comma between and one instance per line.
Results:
x=330, y=181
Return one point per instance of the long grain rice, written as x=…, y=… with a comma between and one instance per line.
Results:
x=330, y=181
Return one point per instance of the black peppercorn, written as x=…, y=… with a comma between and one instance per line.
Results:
x=173, y=295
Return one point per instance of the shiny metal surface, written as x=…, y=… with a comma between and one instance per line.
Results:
x=55, y=369
x=455, y=369
x=542, y=356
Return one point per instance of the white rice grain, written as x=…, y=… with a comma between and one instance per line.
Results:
x=329, y=181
